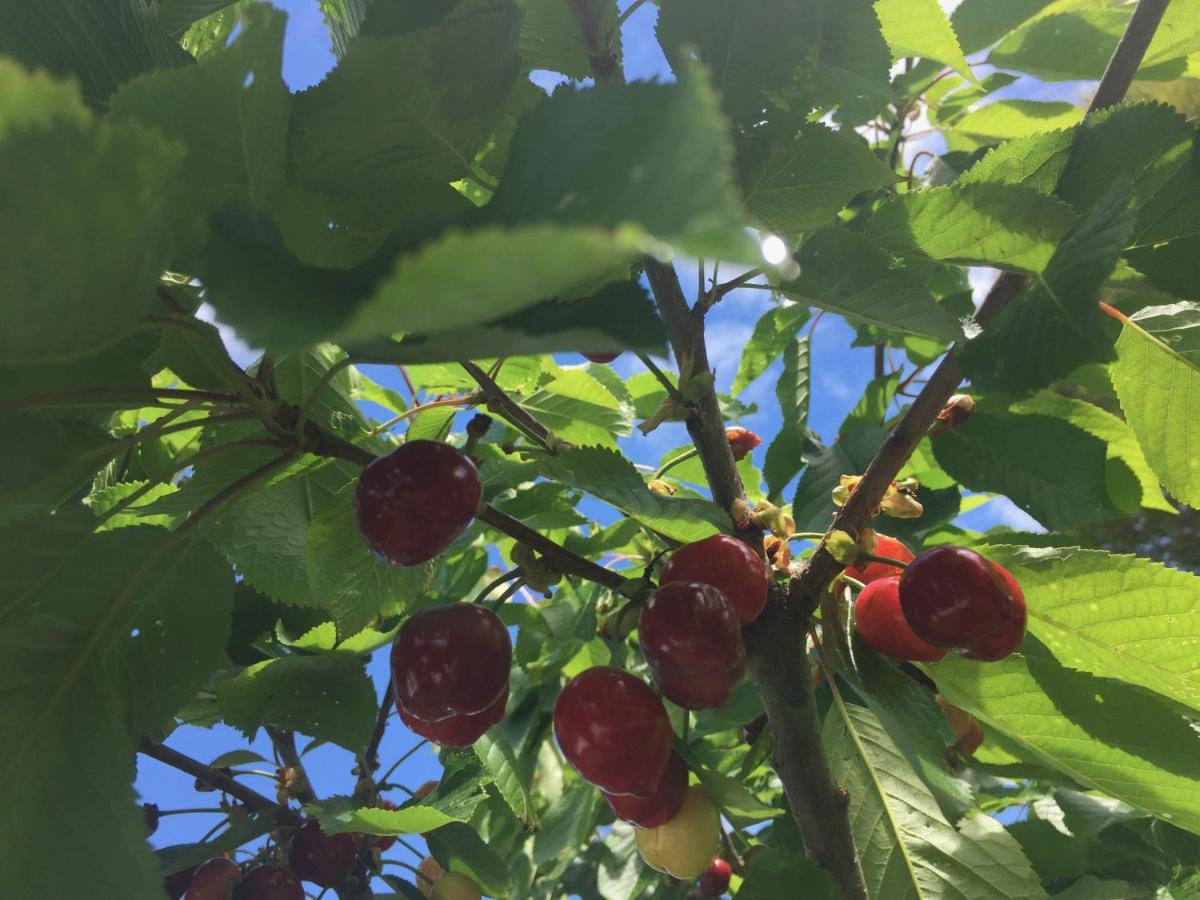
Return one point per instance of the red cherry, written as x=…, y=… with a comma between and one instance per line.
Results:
x=456, y=731
x=321, y=858
x=413, y=502
x=741, y=441
x=450, y=660
x=213, y=880
x=662, y=805
x=150, y=816
x=714, y=881
x=268, y=883
x=176, y=883
x=880, y=622
x=613, y=729
x=691, y=638
x=952, y=597
x=385, y=842
x=600, y=358
x=728, y=565
x=884, y=546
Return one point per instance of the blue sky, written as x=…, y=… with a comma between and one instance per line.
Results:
x=839, y=375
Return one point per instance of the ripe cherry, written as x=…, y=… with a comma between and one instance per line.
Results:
x=728, y=565
x=450, y=660
x=213, y=880
x=600, y=358
x=456, y=731
x=692, y=641
x=176, y=883
x=321, y=858
x=873, y=571
x=385, y=841
x=880, y=622
x=968, y=733
x=714, y=881
x=268, y=883
x=684, y=846
x=413, y=502
x=455, y=886
x=613, y=729
x=741, y=441
x=425, y=790
x=952, y=597
x=662, y=805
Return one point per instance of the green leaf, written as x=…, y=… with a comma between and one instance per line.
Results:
x=654, y=168
x=1118, y=437
x=774, y=873
x=265, y=534
x=459, y=849
x=732, y=797
x=89, y=195
x=813, y=506
x=578, y=408
x=347, y=578
x=839, y=54
x=402, y=115
x=920, y=28
x=97, y=43
x=607, y=475
x=1175, y=324
x=104, y=499
x=325, y=697
x=1035, y=162
x=1113, y=616
x=568, y=823
x=773, y=333
x=916, y=853
x=242, y=829
x=846, y=274
x=785, y=455
x=298, y=376
x=1054, y=326
x=799, y=183
x=992, y=224
x=45, y=461
x=1056, y=472
x=1007, y=119
x=339, y=815
x=1103, y=733
x=508, y=774
x=617, y=317
x=236, y=758
x=1160, y=396
x=1057, y=46
x=552, y=39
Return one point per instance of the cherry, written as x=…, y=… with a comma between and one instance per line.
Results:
x=968, y=733
x=662, y=805
x=385, y=841
x=428, y=872
x=741, y=441
x=600, y=358
x=321, y=858
x=456, y=731
x=425, y=790
x=213, y=879
x=952, y=597
x=873, y=571
x=413, y=502
x=150, y=816
x=613, y=729
x=728, y=565
x=751, y=730
x=880, y=622
x=268, y=883
x=714, y=881
x=450, y=660
x=455, y=886
x=176, y=883
x=692, y=641
x=685, y=846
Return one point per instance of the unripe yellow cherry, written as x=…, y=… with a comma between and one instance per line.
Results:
x=455, y=886
x=684, y=846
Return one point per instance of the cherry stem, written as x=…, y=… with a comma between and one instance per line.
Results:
x=806, y=536
x=402, y=759
x=371, y=757
x=409, y=847
x=183, y=812
x=465, y=400
x=508, y=592
x=886, y=560
x=672, y=390
x=510, y=408
x=672, y=463
x=492, y=585
x=853, y=582
x=311, y=399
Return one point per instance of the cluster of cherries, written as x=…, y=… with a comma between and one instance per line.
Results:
x=947, y=599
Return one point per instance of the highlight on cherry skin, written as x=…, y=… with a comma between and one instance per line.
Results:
x=953, y=597
x=728, y=565
x=411, y=504
x=714, y=881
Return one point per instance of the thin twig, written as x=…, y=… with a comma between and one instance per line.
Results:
x=508, y=407
x=707, y=301
x=386, y=705
x=388, y=774
x=661, y=376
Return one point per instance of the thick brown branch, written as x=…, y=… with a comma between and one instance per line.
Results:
x=297, y=778
x=217, y=780
x=558, y=556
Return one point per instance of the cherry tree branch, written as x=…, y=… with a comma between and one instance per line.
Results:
x=510, y=408
x=285, y=745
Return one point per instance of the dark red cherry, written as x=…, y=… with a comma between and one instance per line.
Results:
x=728, y=565
x=321, y=858
x=873, y=571
x=456, y=731
x=213, y=880
x=413, y=502
x=880, y=622
x=176, y=883
x=600, y=358
x=692, y=640
x=613, y=729
x=714, y=881
x=450, y=660
x=954, y=598
x=663, y=804
x=268, y=883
